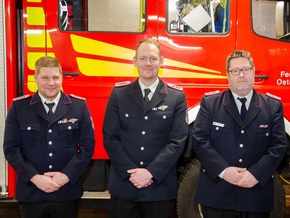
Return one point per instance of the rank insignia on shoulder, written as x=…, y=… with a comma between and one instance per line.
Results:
x=121, y=84
x=20, y=97
x=175, y=87
x=273, y=96
x=77, y=97
x=212, y=93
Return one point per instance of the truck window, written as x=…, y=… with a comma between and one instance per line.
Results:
x=271, y=19
x=103, y=16
x=197, y=16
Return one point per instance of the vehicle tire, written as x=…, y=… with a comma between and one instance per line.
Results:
x=279, y=198
x=187, y=207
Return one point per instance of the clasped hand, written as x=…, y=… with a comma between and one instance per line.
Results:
x=240, y=177
x=140, y=177
x=50, y=181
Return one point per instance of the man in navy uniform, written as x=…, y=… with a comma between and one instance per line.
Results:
x=144, y=135
x=239, y=138
x=49, y=148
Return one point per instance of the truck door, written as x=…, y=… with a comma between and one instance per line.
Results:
x=266, y=34
x=196, y=36
x=94, y=41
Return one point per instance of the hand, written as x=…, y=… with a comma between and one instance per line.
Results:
x=248, y=180
x=233, y=174
x=140, y=177
x=60, y=178
x=45, y=183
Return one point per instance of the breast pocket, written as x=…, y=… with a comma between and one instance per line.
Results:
x=68, y=134
x=30, y=135
x=164, y=119
x=128, y=120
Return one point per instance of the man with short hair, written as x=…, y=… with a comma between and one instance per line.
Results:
x=49, y=141
x=239, y=138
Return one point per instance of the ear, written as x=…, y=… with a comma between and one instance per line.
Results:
x=35, y=78
x=134, y=61
x=161, y=60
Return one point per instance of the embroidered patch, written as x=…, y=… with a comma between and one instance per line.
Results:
x=77, y=97
x=273, y=96
x=121, y=84
x=20, y=97
x=212, y=93
x=175, y=87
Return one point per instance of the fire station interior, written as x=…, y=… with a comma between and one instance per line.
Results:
x=183, y=17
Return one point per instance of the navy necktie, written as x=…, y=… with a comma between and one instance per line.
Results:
x=50, y=106
x=243, y=107
x=146, y=91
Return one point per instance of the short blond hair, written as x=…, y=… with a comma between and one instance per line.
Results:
x=148, y=40
x=47, y=61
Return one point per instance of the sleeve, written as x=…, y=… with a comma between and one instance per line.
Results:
x=111, y=134
x=267, y=165
x=168, y=156
x=210, y=159
x=12, y=147
x=86, y=144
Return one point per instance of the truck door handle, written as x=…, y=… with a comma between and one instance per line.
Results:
x=261, y=76
x=70, y=73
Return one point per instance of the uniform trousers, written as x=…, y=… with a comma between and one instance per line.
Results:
x=209, y=212
x=55, y=209
x=134, y=209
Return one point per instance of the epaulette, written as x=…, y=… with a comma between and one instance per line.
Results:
x=121, y=84
x=174, y=87
x=212, y=93
x=77, y=97
x=273, y=96
x=21, y=97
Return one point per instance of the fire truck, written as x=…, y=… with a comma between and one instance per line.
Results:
x=95, y=42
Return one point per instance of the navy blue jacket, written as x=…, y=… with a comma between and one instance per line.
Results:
x=222, y=139
x=150, y=136
x=34, y=145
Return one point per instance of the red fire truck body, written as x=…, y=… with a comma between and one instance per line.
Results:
x=95, y=43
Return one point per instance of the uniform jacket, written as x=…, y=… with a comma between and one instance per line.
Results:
x=222, y=139
x=150, y=136
x=34, y=145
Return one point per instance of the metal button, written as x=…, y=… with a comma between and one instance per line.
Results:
x=143, y=132
x=267, y=134
x=50, y=131
x=240, y=160
x=142, y=148
x=29, y=128
x=69, y=127
x=217, y=128
x=50, y=142
x=164, y=117
x=242, y=131
x=50, y=166
x=241, y=145
x=146, y=118
x=126, y=115
x=141, y=163
x=50, y=154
